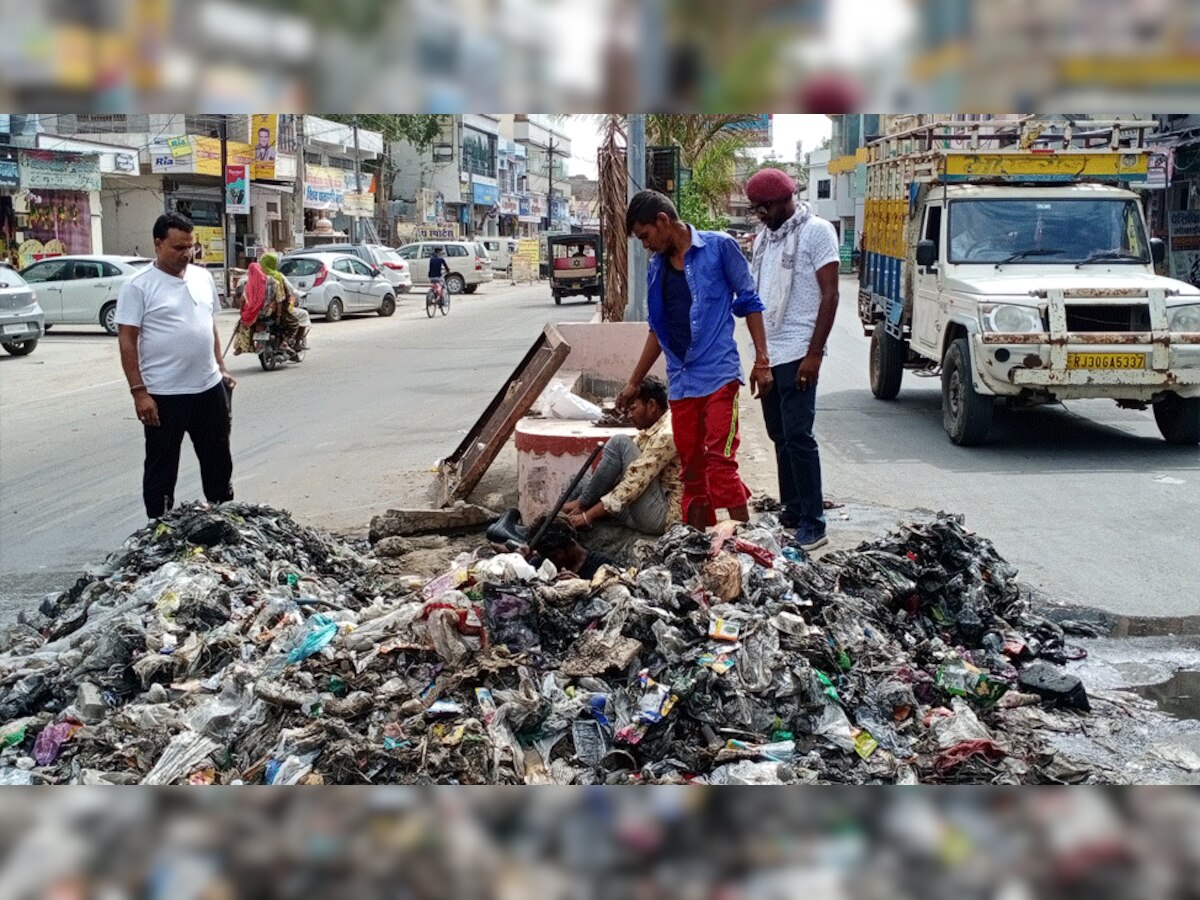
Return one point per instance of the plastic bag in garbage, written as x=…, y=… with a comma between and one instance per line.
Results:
x=560, y=403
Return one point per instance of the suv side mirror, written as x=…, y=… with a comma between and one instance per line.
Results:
x=1158, y=250
x=927, y=253
x=375, y=273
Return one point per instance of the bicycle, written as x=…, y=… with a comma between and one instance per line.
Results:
x=437, y=298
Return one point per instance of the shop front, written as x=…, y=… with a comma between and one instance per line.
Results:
x=324, y=196
x=509, y=212
x=194, y=187
x=52, y=209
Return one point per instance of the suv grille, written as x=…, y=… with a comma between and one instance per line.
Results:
x=1132, y=317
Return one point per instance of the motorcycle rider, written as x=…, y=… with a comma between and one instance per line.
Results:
x=438, y=270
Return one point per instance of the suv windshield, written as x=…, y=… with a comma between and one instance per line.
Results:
x=1059, y=230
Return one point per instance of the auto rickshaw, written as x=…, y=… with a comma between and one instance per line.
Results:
x=576, y=266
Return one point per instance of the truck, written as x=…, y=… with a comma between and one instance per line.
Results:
x=1013, y=260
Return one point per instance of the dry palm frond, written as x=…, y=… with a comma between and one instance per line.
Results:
x=614, y=194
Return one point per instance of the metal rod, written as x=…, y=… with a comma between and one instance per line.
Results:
x=562, y=500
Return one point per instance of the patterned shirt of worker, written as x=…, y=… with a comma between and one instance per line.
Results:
x=658, y=459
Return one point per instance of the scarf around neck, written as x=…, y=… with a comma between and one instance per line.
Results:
x=788, y=232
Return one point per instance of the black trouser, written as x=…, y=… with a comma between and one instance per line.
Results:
x=204, y=417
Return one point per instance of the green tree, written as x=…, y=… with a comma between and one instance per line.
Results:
x=419, y=129
x=709, y=145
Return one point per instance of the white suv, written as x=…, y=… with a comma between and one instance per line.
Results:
x=469, y=263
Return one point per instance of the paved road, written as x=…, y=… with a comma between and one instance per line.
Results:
x=353, y=429
x=1086, y=498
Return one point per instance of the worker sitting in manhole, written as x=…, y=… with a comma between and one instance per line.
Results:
x=559, y=543
x=637, y=481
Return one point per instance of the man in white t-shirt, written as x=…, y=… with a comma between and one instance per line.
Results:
x=171, y=354
x=795, y=267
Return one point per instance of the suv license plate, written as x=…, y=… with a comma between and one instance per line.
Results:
x=14, y=329
x=1106, y=360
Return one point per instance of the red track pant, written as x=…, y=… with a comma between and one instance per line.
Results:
x=706, y=436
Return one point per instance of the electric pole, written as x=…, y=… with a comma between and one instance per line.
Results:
x=298, y=192
x=550, y=189
x=226, y=231
x=357, y=183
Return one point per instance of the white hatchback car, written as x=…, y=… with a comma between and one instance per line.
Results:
x=333, y=284
x=82, y=290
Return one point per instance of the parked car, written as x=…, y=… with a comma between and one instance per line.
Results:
x=387, y=260
x=500, y=251
x=332, y=284
x=82, y=290
x=21, y=319
x=469, y=263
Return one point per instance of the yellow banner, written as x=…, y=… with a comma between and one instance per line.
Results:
x=263, y=138
x=1056, y=166
x=528, y=249
x=207, y=155
x=209, y=246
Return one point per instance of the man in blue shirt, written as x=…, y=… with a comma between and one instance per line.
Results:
x=438, y=270
x=698, y=282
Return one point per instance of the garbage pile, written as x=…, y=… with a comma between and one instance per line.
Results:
x=233, y=645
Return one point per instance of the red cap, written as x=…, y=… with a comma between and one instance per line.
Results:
x=766, y=185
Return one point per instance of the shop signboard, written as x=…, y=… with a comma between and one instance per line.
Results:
x=47, y=170
x=486, y=194
x=9, y=173
x=324, y=188
x=1184, y=244
x=205, y=158
x=510, y=205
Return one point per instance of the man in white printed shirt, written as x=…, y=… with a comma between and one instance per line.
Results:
x=171, y=355
x=637, y=481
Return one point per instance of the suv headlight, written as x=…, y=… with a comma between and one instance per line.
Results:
x=1008, y=317
x=1184, y=318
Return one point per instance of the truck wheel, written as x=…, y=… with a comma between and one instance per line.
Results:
x=966, y=415
x=887, y=363
x=1178, y=419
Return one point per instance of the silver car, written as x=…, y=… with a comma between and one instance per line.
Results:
x=21, y=319
x=387, y=260
x=333, y=284
x=82, y=290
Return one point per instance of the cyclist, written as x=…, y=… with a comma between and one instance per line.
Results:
x=438, y=270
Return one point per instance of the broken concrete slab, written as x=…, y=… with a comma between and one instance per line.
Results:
x=405, y=522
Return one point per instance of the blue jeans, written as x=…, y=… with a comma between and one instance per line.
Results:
x=789, y=413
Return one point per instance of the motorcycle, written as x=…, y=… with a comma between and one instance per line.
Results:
x=272, y=348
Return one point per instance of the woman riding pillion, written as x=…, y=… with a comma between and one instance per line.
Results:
x=269, y=296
